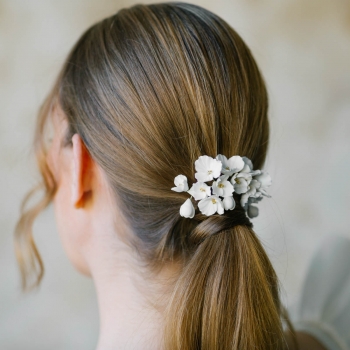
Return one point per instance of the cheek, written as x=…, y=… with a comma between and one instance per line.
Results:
x=70, y=228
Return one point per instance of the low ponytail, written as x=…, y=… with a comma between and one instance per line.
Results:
x=227, y=294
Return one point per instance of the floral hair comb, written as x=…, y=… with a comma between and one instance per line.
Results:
x=228, y=176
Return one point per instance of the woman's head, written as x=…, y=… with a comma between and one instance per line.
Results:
x=141, y=96
x=151, y=89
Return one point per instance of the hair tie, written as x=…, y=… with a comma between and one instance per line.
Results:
x=227, y=176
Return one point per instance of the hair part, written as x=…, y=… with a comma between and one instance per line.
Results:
x=149, y=90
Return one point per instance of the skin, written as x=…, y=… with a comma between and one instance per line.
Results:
x=94, y=235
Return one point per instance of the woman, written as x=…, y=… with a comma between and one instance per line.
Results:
x=142, y=95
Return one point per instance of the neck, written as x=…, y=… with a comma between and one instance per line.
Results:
x=130, y=316
x=127, y=321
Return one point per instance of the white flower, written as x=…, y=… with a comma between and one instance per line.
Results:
x=231, y=175
x=252, y=192
x=246, y=176
x=207, y=168
x=229, y=203
x=244, y=199
x=241, y=185
x=208, y=206
x=187, y=209
x=241, y=182
x=254, y=200
x=232, y=165
x=181, y=184
x=265, y=181
x=222, y=187
x=200, y=190
x=248, y=165
x=254, y=187
x=255, y=172
x=252, y=211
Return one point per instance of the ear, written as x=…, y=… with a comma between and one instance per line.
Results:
x=82, y=173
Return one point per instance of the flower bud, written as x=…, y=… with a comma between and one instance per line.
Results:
x=187, y=209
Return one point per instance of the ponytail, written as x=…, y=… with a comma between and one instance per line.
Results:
x=227, y=295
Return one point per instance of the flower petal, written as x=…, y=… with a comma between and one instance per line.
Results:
x=201, y=164
x=262, y=191
x=216, y=188
x=206, y=206
x=244, y=199
x=255, y=200
x=216, y=167
x=180, y=179
x=223, y=161
x=264, y=178
x=248, y=162
x=187, y=209
x=177, y=189
x=222, y=188
x=207, y=168
x=246, y=176
x=200, y=190
x=203, y=177
x=224, y=177
x=235, y=163
x=255, y=172
x=229, y=203
x=220, y=207
x=254, y=184
x=228, y=189
x=241, y=186
x=248, y=165
x=252, y=211
x=210, y=205
x=181, y=184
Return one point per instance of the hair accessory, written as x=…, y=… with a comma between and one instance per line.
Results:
x=231, y=175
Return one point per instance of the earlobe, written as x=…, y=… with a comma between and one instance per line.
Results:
x=81, y=179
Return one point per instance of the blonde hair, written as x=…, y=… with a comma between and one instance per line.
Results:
x=149, y=90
